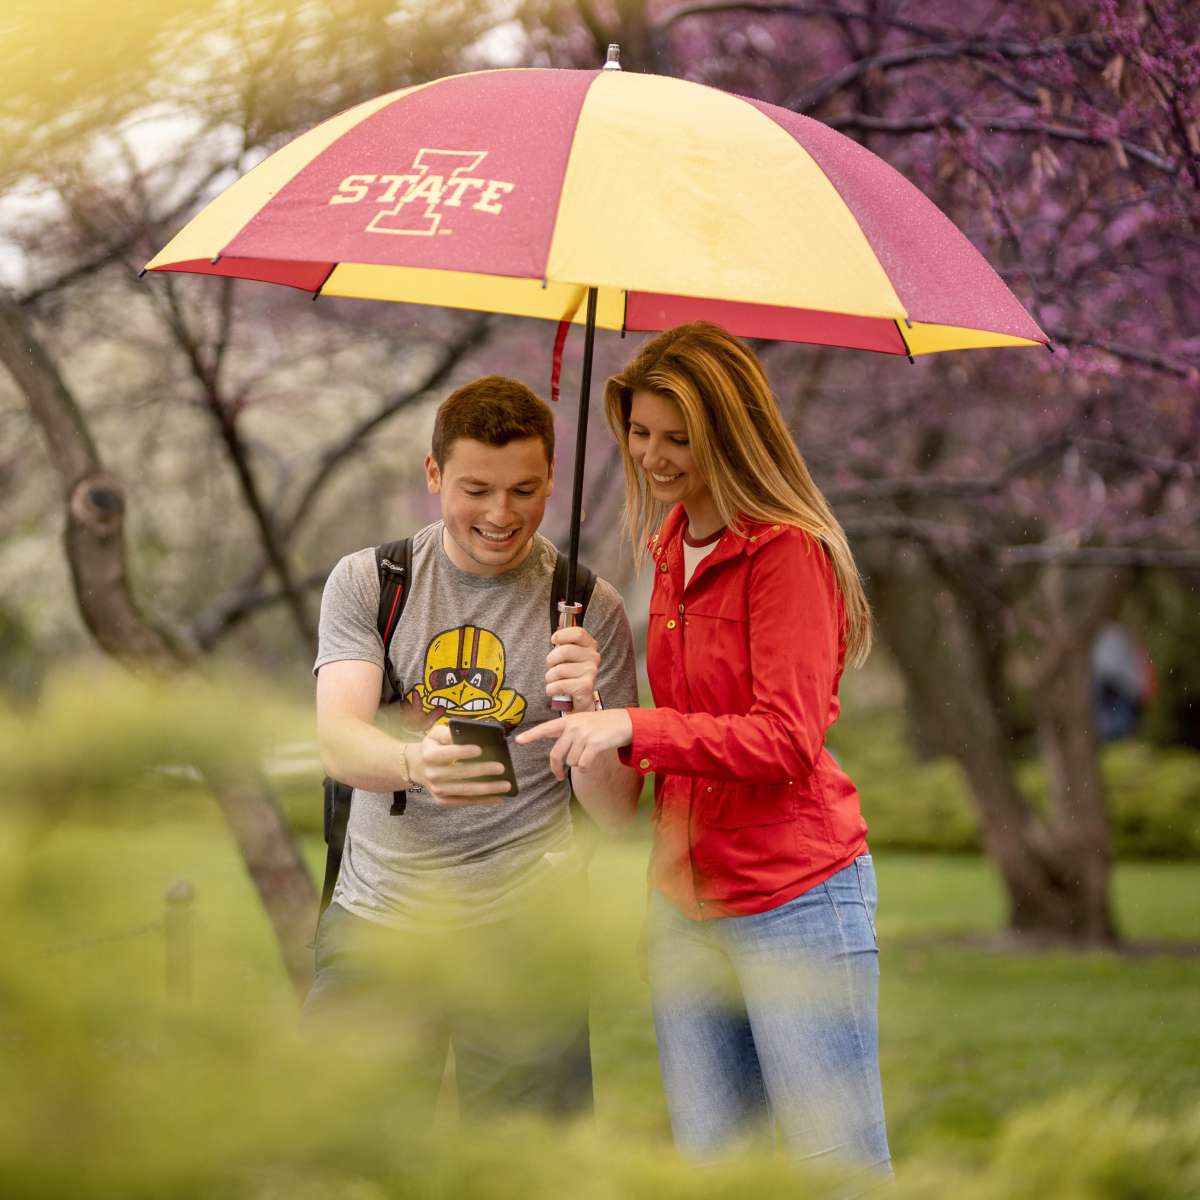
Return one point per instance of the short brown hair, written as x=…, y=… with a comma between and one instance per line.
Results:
x=493, y=410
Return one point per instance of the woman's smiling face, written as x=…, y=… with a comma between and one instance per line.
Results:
x=658, y=443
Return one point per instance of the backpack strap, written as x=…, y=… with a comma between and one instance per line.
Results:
x=337, y=817
x=393, y=560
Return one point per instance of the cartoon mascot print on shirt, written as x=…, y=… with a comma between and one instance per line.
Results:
x=464, y=677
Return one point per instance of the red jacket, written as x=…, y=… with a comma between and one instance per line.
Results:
x=750, y=809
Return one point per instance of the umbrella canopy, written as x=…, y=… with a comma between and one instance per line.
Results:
x=517, y=191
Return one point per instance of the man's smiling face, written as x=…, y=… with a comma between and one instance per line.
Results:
x=493, y=500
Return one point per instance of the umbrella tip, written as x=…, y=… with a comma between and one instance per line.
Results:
x=613, y=62
x=142, y=272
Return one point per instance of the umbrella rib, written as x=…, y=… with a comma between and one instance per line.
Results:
x=905, y=341
x=332, y=268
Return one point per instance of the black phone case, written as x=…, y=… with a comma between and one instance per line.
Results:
x=489, y=736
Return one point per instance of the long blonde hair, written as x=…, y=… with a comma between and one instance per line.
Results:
x=742, y=448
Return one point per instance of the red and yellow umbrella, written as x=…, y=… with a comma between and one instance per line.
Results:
x=516, y=190
x=523, y=191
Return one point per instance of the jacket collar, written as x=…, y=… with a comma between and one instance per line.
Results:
x=668, y=541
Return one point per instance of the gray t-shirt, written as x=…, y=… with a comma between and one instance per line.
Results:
x=469, y=645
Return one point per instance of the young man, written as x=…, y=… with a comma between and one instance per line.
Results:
x=465, y=864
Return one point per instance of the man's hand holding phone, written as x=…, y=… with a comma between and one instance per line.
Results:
x=455, y=775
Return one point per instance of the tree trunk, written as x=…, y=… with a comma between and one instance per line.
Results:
x=937, y=641
x=272, y=859
x=1076, y=606
x=1078, y=804
x=95, y=547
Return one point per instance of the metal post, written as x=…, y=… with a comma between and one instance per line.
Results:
x=177, y=927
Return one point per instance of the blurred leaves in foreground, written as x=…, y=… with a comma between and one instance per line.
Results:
x=116, y=1093
x=115, y=1087
x=97, y=735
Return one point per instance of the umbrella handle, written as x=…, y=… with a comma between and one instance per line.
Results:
x=568, y=618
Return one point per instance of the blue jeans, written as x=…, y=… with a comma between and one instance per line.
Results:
x=774, y=1015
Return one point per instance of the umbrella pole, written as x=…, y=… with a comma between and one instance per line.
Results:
x=585, y=389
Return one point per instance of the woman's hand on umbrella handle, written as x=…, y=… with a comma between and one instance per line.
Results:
x=580, y=737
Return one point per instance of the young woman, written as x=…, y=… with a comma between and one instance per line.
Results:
x=761, y=939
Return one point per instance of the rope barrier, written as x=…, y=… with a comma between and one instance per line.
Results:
x=176, y=927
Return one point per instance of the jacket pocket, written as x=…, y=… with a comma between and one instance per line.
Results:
x=743, y=806
x=744, y=842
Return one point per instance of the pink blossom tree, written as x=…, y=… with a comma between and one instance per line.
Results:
x=999, y=501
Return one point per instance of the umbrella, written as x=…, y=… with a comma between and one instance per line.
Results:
x=656, y=200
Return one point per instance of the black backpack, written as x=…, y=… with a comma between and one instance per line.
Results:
x=394, y=562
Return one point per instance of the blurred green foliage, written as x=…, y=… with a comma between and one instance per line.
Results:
x=79, y=79
x=1153, y=796
x=227, y=1095
x=97, y=739
x=1006, y=1074
x=1153, y=792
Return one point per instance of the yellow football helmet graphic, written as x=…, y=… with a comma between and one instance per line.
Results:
x=464, y=677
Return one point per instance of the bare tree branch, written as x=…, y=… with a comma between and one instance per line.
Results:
x=206, y=366
x=1102, y=556
x=924, y=487
x=334, y=456
x=948, y=539
x=983, y=48
x=1127, y=353
x=768, y=8
x=1156, y=464
x=1177, y=116
x=231, y=610
x=987, y=170
x=119, y=249
x=227, y=612
x=997, y=124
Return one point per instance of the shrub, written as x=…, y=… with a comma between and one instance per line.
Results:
x=1153, y=794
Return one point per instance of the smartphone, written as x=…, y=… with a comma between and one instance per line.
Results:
x=490, y=737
